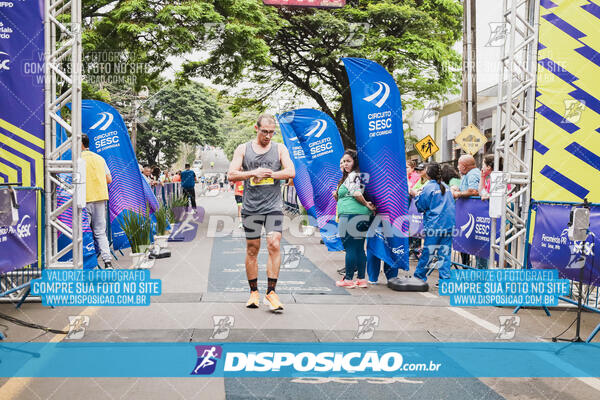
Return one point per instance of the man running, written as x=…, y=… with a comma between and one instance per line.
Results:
x=262, y=164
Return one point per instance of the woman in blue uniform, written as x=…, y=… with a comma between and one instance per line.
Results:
x=437, y=205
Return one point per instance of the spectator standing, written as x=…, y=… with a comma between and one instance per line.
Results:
x=437, y=205
x=156, y=174
x=412, y=175
x=177, y=177
x=486, y=171
x=471, y=175
x=147, y=174
x=374, y=269
x=165, y=177
x=450, y=177
x=97, y=178
x=420, y=178
x=417, y=187
x=469, y=186
x=354, y=219
x=188, y=182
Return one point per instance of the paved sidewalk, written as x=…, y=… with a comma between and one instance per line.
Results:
x=204, y=283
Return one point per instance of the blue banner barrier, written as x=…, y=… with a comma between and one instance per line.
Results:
x=128, y=190
x=473, y=225
x=472, y=230
x=415, y=220
x=551, y=247
x=19, y=243
x=316, y=148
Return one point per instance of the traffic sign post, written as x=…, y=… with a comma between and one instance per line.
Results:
x=426, y=147
x=471, y=140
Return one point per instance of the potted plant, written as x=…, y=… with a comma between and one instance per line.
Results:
x=307, y=229
x=138, y=229
x=178, y=208
x=162, y=225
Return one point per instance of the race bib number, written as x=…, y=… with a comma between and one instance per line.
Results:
x=261, y=182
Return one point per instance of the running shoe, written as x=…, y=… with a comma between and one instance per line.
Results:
x=361, y=283
x=342, y=271
x=272, y=300
x=372, y=283
x=348, y=284
x=254, y=300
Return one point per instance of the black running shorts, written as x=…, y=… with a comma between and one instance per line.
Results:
x=253, y=224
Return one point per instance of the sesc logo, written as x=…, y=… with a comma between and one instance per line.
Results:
x=383, y=90
x=398, y=250
x=105, y=121
x=468, y=227
x=24, y=230
x=320, y=127
x=4, y=60
x=207, y=359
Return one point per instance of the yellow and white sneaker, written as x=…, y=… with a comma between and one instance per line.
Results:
x=254, y=300
x=272, y=300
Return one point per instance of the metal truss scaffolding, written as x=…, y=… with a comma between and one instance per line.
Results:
x=62, y=25
x=514, y=129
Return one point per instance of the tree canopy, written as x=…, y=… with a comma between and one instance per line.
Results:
x=134, y=38
x=299, y=50
x=284, y=52
x=178, y=115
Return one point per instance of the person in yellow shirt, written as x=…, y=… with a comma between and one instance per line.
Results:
x=97, y=178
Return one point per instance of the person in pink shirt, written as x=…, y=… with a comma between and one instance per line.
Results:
x=486, y=171
x=413, y=176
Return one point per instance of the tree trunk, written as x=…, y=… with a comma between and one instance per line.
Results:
x=347, y=128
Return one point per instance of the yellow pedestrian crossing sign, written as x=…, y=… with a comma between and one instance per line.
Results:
x=426, y=147
x=471, y=139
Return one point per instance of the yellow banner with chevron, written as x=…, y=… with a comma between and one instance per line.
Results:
x=21, y=156
x=566, y=158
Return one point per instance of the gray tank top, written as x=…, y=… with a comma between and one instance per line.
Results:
x=263, y=197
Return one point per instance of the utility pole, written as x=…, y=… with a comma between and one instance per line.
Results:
x=469, y=70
